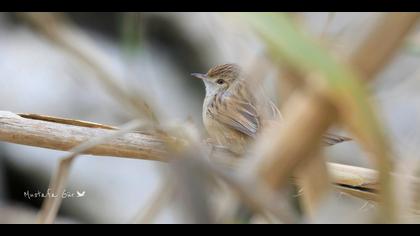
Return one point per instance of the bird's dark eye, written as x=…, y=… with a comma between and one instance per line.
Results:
x=220, y=81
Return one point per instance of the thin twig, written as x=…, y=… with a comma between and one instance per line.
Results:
x=52, y=204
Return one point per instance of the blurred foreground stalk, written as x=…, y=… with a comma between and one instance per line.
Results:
x=339, y=93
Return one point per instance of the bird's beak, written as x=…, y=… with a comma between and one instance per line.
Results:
x=199, y=76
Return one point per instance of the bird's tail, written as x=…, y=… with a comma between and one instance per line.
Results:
x=331, y=139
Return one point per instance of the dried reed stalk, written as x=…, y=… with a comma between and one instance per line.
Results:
x=65, y=136
x=59, y=136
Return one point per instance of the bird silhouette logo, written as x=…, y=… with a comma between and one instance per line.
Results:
x=81, y=194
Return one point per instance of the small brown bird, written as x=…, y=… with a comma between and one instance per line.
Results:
x=234, y=113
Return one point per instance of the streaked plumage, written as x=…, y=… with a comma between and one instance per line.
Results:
x=233, y=113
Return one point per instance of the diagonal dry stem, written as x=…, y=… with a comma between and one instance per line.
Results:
x=61, y=32
x=52, y=204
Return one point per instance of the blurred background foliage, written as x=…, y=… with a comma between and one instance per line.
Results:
x=152, y=55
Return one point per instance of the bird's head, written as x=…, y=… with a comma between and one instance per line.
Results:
x=220, y=77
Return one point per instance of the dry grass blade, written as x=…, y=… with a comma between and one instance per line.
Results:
x=51, y=204
x=66, y=121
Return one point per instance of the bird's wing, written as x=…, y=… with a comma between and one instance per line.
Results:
x=237, y=114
